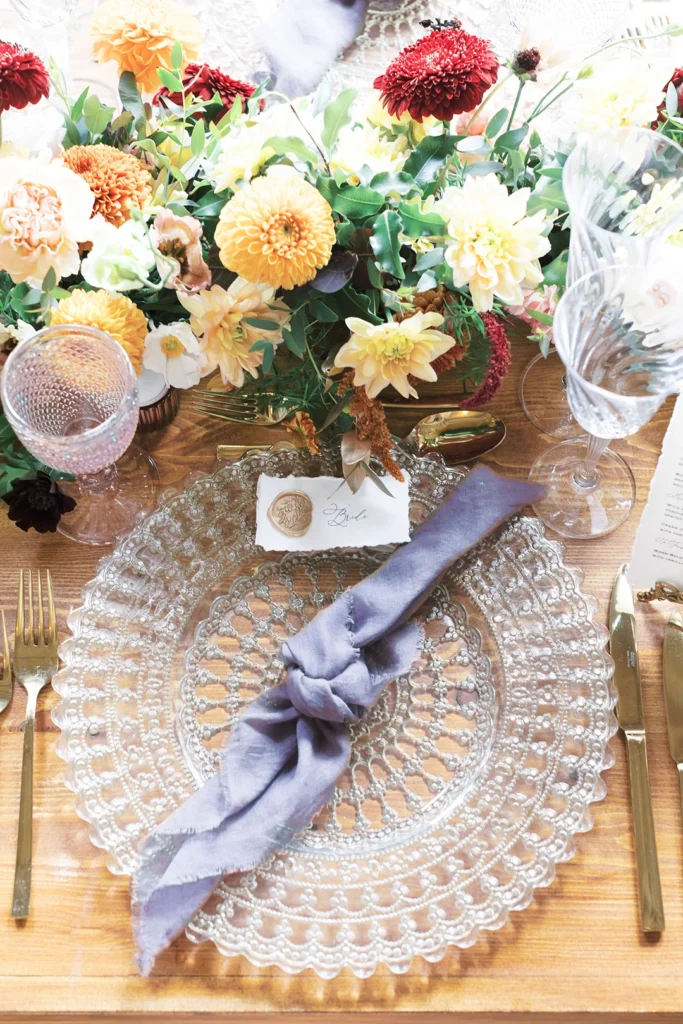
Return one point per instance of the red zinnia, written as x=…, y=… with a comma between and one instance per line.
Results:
x=204, y=82
x=444, y=74
x=23, y=77
x=677, y=79
x=499, y=362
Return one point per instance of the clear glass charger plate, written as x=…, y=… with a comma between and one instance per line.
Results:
x=468, y=780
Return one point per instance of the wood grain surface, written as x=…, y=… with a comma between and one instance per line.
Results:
x=575, y=954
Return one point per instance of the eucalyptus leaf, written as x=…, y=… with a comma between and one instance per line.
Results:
x=671, y=100
x=496, y=123
x=476, y=144
x=478, y=170
x=556, y=272
x=259, y=346
x=385, y=243
x=177, y=56
x=95, y=115
x=513, y=138
x=131, y=99
x=429, y=259
x=170, y=80
x=377, y=480
x=50, y=280
x=268, y=356
x=293, y=146
x=198, y=138
x=543, y=318
x=77, y=109
x=353, y=450
x=336, y=411
x=336, y=116
x=295, y=345
x=261, y=324
x=355, y=475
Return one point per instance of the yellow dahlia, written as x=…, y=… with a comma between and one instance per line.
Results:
x=118, y=180
x=384, y=354
x=116, y=315
x=278, y=230
x=139, y=36
x=218, y=319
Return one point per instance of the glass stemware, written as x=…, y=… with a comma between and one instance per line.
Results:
x=619, y=332
x=624, y=189
x=70, y=394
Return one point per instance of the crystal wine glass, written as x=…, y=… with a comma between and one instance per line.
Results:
x=582, y=26
x=619, y=333
x=624, y=189
x=70, y=394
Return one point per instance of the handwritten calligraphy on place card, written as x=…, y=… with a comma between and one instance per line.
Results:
x=339, y=519
x=658, y=548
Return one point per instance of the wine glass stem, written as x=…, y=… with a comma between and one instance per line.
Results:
x=105, y=481
x=586, y=476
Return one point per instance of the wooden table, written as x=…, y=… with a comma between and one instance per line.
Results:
x=577, y=952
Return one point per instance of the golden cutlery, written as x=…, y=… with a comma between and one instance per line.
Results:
x=6, y=677
x=624, y=651
x=236, y=408
x=673, y=690
x=35, y=663
x=236, y=451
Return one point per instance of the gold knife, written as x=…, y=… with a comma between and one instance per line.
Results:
x=673, y=690
x=624, y=651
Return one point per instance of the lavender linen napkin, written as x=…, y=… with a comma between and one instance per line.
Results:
x=288, y=749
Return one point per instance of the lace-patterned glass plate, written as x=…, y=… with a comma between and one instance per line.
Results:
x=467, y=781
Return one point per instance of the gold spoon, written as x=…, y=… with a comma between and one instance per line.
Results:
x=459, y=435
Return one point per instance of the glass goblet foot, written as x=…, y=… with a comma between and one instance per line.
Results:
x=580, y=506
x=543, y=394
x=109, y=503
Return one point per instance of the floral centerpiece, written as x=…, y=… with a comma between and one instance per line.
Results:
x=321, y=256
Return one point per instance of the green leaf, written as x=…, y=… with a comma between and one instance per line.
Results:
x=551, y=197
x=198, y=138
x=131, y=99
x=534, y=139
x=385, y=243
x=291, y=144
x=177, y=56
x=295, y=345
x=171, y=81
x=352, y=200
x=336, y=116
x=392, y=181
x=429, y=259
x=268, y=356
x=59, y=293
x=428, y=157
x=50, y=280
x=475, y=144
x=122, y=121
x=96, y=116
x=671, y=100
x=259, y=346
x=349, y=302
x=556, y=272
x=513, y=138
x=262, y=325
x=210, y=205
x=77, y=109
x=377, y=480
x=323, y=313
x=374, y=273
x=416, y=223
x=554, y=173
x=72, y=133
x=483, y=167
x=496, y=123
x=543, y=318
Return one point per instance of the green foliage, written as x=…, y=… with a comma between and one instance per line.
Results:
x=335, y=117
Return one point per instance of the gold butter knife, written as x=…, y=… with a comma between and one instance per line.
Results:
x=624, y=651
x=673, y=690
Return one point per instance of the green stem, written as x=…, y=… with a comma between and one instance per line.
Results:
x=632, y=39
x=540, y=111
x=485, y=100
x=544, y=97
x=520, y=86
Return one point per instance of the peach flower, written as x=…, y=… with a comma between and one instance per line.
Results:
x=180, y=263
x=45, y=212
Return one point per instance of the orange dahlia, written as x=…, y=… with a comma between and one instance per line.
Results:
x=278, y=231
x=116, y=315
x=139, y=36
x=118, y=180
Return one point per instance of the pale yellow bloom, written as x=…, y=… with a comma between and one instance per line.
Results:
x=217, y=318
x=619, y=94
x=377, y=114
x=492, y=246
x=383, y=354
x=366, y=147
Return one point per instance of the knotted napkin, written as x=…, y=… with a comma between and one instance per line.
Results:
x=290, y=746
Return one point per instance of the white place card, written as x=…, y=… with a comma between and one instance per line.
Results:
x=339, y=519
x=658, y=548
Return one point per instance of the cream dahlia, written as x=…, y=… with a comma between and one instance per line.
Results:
x=366, y=146
x=45, y=212
x=492, y=246
x=278, y=230
x=619, y=94
x=218, y=319
x=384, y=354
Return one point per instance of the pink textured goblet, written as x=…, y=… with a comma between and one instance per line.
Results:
x=70, y=394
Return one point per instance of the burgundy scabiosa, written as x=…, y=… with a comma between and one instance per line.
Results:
x=443, y=74
x=37, y=503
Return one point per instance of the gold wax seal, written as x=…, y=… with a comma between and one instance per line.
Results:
x=291, y=513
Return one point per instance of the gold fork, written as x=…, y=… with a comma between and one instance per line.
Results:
x=236, y=408
x=35, y=663
x=6, y=677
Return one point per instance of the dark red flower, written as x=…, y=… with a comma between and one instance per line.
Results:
x=37, y=503
x=23, y=77
x=204, y=82
x=677, y=79
x=444, y=74
x=526, y=61
x=499, y=362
